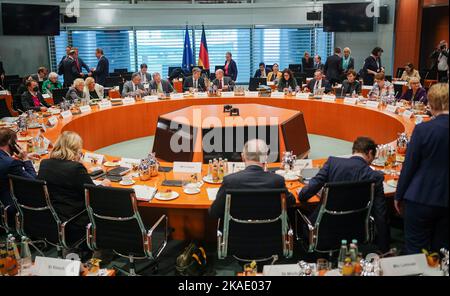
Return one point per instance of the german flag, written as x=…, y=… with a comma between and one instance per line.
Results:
x=203, y=59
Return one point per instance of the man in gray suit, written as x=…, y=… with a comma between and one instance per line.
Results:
x=222, y=82
x=160, y=85
x=145, y=76
x=134, y=87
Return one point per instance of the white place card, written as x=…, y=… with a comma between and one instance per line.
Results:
x=144, y=193
x=369, y=87
x=350, y=101
x=407, y=114
x=128, y=162
x=3, y=92
x=281, y=270
x=129, y=101
x=89, y=157
x=277, y=94
x=46, y=96
x=400, y=83
x=201, y=95
x=251, y=93
x=404, y=265
x=234, y=167
x=227, y=94
x=53, y=120
x=176, y=95
x=391, y=109
x=85, y=109
x=270, y=83
x=399, y=104
x=301, y=95
x=104, y=105
x=66, y=114
x=212, y=193
x=372, y=104
x=150, y=98
x=187, y=167
x=45, y=266
x=328, y=98
x=146, y=85
x=303, y=164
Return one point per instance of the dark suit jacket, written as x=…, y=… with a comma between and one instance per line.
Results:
x=28, y=103
x=189, y=82
x=65, y=180
x=333, y=68
x=11, y=166
x=348, y=170
x=83, y=65
x=73, y=94
x=325, y=83
x=424, y=176
x=253, y=177
x=61, y=65
x=2, y=70
x=370, y=64
x=421, y=95
x=232, y=70
x=70, y=71
x=282, y=84
x=226, y=80
x=319, y=66
x=101, y=71
x=348, y=88
x=166, y=85
x=258, y=73
x=307, y=64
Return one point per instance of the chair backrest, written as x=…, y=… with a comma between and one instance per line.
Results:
x=36, y=218
x=59, y=95
x=344, y=214
x=122, y=70
x=116, y=222
x=255, y=223
x=399, y=73
x=4, y=110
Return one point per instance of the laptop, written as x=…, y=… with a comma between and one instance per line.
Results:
x=59, y=95
x=255, y=83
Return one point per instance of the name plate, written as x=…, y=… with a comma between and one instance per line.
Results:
x=146, y=85
x=302, y=95
x=277, y=94
x=44, y=266
x=234, y=167
x=251, y=94
x=227, y=94
x=326, y=98
x=350, y=101
x=176, y=96
x=129, y=101
x=400, y=83
x=66, y=114
x=52, y=120
x=404, y=265
x=399, y=104
x=270, y=83
x=407, y=114
x=46, y=96
x=187, y=167
x=201, y=95
x=85, y=109
x=372, y=104
x=281, y=270
x=93, y=157
x=150, y=98
x=104, y=105
x=3, y=92
x=129, y=162
x=391, y=108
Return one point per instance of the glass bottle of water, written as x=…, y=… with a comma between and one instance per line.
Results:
x=342, y=254
x=25, y=257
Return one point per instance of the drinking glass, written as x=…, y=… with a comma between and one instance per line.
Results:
x=323, y=266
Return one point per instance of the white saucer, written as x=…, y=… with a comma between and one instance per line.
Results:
x=210, y=181
x=192, y=192
x=127, y=184
x=291, y=178
x=392, y=183
x=173, y=196
x=111, y=164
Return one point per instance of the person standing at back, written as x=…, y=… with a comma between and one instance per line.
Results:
x=102, y=70
x=333, y=67
x=230, y=69
x=307, y=62
x=372, y=66
x=70, y=69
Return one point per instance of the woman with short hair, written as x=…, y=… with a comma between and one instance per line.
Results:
x=51, y=83
x=92, y=90
x=416, y=93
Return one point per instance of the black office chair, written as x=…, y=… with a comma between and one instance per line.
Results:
x=399, y=72
x=122, y=70
x=344, y=214
x=4, y=111
x=115, y=223
x=255, y=226
x=37, y=219
x=4, y=218
x=59, y=95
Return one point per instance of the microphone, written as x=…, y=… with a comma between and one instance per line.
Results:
x=342, y=91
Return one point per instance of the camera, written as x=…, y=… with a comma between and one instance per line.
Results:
x=443, y=46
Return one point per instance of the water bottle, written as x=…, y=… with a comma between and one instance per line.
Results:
x=25, y=257
x=353, y=250
x=342, y=254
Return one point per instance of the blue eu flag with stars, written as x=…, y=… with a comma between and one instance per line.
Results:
x=188, y=57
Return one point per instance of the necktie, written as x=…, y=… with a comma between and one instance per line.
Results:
x=78, y=65
x=195, y=83
x=134, y=87
x=220, y=84
x=160, y=89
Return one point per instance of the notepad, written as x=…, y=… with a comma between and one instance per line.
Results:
x=144, y=193
x=212, y=193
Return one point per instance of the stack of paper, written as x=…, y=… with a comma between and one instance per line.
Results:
x=144, y=193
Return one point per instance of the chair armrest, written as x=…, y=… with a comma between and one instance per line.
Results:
x=162, y=219
x=306, y=220
x=219, y=232
x=63, y=228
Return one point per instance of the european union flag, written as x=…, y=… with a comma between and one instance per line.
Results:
x=188, y=57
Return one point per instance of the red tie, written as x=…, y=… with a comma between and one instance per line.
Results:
x=220, y=84
x=78, y=65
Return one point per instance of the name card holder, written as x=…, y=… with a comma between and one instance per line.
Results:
x=46, y=96
x=227, y=94
x=391, y=109
x=85, y=109
x=372, y=104
x=66, y=114
x=303, y=96
x=45, y=266
x=93, y=158
x=104, y=105
x=150, y=98
x=249, y=94
x=176, y=96
x=327, y=98
x=270, y=83
x=407, y=114
x=277, y=94
x=187, y=167
x=52, y=121
x=129, y=101
x=201, y=95
x=404, y=265
x=281, y=270
x=350, y=101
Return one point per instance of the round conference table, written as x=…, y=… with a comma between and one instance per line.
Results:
x=188, y=214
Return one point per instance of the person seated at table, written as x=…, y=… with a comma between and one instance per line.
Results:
x=134, y=87
x=51, y=83
x=41, y=74
x=66, y=187
x=351, y=86
x=195, y=81
x=161, y=85
x=356, y=168
x=222, y=82
x=409, y=73
x=318, y=82
x=275, y=76
x=262, y=71
x=416, y=93
x=92, y=90
x=13, y=161
x=254, y=154
x=287, y=81
x=318, y=62
x=32, y=99
x=76, y=91
x=381, y=88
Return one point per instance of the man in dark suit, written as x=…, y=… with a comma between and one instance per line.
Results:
x=195, y=81
x=423, y=192
x=318, y=65
x=70, y=69
x=61, y=63
x=307, y=62
x=80, y=63
x=102, y=70
x=32, y=99
x=160, y=85
x=253, y=177
x=319, y=83
x=145, y=76
x=355, y=168
x=13, y=161
x=222, y=82
x=262, y=72
x=333, y=67
x=41, y=75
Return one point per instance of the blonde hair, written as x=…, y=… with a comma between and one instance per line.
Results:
x=414, y=80
x=77, y=82
x=89, y=80
x=438, y=97
x=68, y=147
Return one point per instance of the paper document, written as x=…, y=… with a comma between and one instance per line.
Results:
x=212, y=193
x=144, y=193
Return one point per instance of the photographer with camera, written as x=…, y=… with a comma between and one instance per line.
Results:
x=440, y=63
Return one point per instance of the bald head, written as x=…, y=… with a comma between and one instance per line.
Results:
x=255, y=152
